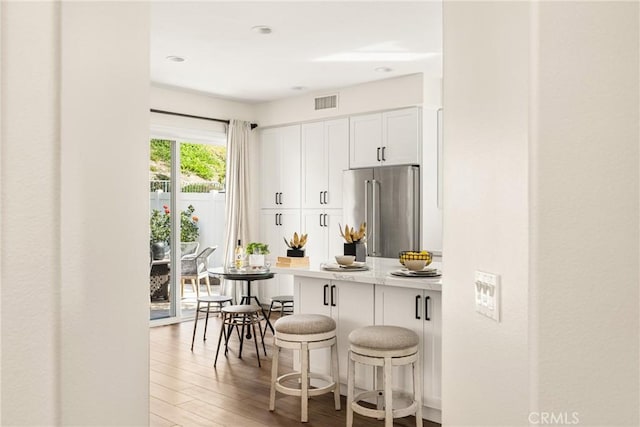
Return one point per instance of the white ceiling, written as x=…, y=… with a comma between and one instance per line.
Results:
x=313, y=44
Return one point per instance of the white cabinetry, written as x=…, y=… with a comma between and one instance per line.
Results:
x=324, y=236
x=325, y=150
x=274, y=225
x=280, y=167
x=386, y=138
x=350, y=304
x=420, y=311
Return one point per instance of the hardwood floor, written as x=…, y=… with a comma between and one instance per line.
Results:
x=186, y=390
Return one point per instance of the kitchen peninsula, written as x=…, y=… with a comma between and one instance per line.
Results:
x=375, y=297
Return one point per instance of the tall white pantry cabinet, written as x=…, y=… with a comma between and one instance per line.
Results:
x=279, y=200
x=325, y=156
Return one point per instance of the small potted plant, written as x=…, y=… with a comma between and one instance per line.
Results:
x=256, y=252
x=354, y=241
x=296, y=245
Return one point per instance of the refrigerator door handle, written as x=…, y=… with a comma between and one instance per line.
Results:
x=366, y=206
x=373, y=235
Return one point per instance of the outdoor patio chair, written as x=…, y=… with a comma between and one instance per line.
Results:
x=188, y=249
x=195, y=269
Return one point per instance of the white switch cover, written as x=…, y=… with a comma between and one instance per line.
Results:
x=487, y=290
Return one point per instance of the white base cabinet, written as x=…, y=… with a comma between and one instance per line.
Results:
x=351, y=305
x=420, y=311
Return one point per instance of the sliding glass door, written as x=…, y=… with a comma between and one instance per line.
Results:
x=186, y=179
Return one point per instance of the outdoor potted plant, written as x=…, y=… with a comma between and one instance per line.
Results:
x=256, y=252
x=160, y=229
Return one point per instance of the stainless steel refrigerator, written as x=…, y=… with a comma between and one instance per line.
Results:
x=388, y=199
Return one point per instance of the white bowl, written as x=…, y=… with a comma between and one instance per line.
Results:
x=345, y=259
x=415, y=264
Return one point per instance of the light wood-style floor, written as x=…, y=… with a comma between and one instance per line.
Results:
x=186, y=390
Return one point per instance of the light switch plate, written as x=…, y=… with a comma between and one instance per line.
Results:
x=487, y=293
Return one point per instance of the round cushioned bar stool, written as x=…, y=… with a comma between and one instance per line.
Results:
x=384, y=347
x=240, y=317
x=304, y=332
x=219, y=300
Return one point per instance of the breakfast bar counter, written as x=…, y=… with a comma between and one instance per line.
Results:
x=374, y=297
x=378, y=274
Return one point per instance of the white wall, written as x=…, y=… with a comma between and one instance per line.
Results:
x=584, y=210
x=485, y=364
x=541, y=185
x=378, y=95
x=197, y=104
x=74, y=129
x=30, y=219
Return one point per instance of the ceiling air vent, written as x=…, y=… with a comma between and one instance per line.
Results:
x=325, y=102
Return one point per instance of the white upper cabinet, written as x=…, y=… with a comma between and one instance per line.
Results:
x=385, y=139
x=280, y=167
x=324, y=157
x=366, y=140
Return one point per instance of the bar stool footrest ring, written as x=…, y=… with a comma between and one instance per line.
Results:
x=298, y=392
x=379, y=413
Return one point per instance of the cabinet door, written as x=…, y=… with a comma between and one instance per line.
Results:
x=401, y=137
x=289, y=167
x=269, y=232
x=365, y=139
x=401, y=307
x=432, y=350
x=269, y=167
x=337, y=143
x=314, y=165
x=352, y=307
x=313, y=225
x=312, y=297
x=334, y=242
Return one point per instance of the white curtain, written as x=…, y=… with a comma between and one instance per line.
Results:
x=237, y=206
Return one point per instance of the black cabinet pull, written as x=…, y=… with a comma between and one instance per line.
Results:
x=276, y=215
x=417, y=308
x=325, y=220
x=325, y=197
x=321, y=197
x=333, y=302
x=276, y=196
x=427, y=303
x=279, y=219
x=383, y=159
x=324, y=293
x=320, y=216
x=378, y=154
x=280, y=198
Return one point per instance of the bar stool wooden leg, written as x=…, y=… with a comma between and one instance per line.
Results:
x=304, y=381
x=274, y=376
x=351, y=372
x=388, y=396
x=417, y=392
x=336, y=374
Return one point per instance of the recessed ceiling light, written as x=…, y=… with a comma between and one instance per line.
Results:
x=383, y=69
x=261, y=29
x=298, y=88
x=174, y=58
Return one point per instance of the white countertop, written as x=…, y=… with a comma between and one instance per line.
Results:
x=378, y=273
